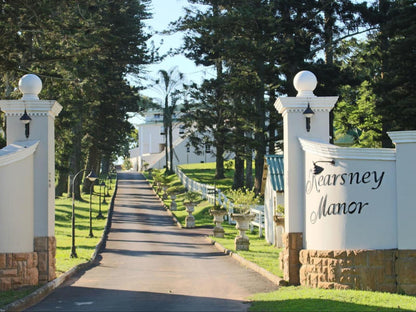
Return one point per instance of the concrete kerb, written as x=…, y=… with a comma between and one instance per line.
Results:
x=45, y=290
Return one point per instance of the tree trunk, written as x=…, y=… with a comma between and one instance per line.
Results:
x=238, y=172
x=249, y=171
x=219, y=161
x=62, y=184
x=93, y=163
x=75, y=161
x=170, y=146
x=259, y=136
x=106, y=165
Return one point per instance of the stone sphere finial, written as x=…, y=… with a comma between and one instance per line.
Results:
x=305, y=82
x=30, y=85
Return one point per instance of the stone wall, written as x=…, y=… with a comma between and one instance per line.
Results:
x=30, y=268
x=406, y=271
x=46, y=250
x=18, y=270
x=289, y=258
x=379, y=270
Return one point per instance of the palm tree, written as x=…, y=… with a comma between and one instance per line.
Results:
x=166, y=85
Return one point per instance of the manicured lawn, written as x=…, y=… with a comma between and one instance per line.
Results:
x=205, y=173
x=310, y=299
x=261, y=252
x=85, y=245
x=9, y=296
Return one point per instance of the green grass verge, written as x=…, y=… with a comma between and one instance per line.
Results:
x=9, y=296
x=261, y=252
x=205, y=173
x=310, y=299
x=85, y=245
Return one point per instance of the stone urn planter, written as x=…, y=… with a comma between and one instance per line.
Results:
x=279, y=229
x=165, y=193
x=279, y=220
x=173, y=205
x=189, y=219
x=242, y=242
x=218, y=215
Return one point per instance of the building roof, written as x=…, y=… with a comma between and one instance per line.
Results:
x=275, y=168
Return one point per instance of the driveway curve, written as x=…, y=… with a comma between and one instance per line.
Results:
x=149, y=264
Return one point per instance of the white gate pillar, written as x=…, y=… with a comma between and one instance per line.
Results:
x=295, y=125
x=405, y=142
x=41, y=128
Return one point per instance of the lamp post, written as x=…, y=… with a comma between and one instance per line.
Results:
x=100, y=215
x=92, y=177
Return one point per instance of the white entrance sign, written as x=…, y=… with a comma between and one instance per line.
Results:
x=351, y=200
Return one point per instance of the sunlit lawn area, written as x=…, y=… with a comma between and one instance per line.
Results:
x=205, y=173
x=330, y=300
x=85, y=245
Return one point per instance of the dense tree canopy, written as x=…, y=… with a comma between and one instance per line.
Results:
x=83, y=51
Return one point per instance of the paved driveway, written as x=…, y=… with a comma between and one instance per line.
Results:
x=149, y=264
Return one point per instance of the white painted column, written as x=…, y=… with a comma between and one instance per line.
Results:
x=294, y=127
x=405, y=142
x=42, y=113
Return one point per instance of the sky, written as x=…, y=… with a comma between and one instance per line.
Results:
x=164, y=12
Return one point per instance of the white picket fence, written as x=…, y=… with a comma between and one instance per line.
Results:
x=215, y=196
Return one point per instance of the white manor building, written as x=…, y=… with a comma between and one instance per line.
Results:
x=151, y=144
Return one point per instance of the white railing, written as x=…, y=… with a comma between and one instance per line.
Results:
x=216, y=196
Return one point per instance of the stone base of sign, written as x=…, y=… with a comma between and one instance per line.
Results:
x=18, y=270
x=45, y=247
x=289, y=258
x=379, y=270
x=405, y=268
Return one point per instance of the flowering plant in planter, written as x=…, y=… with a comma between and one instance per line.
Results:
x=243, y=200
x=173, y=191
x=279, y=216
x=191, y=197
x=218, y=212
